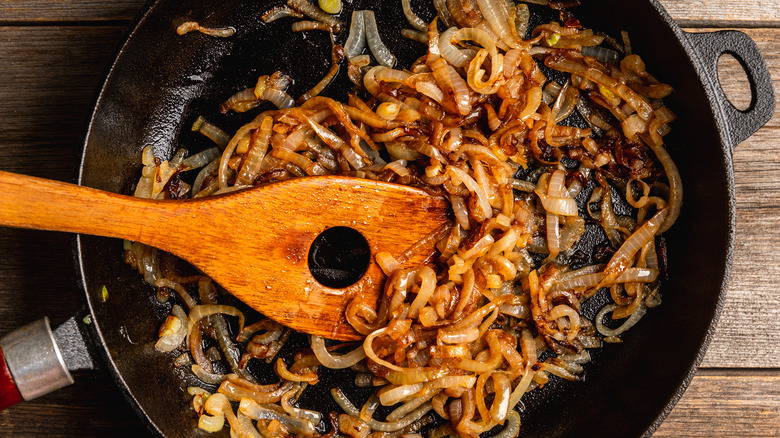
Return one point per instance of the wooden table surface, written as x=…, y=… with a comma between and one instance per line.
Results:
x=53, y=54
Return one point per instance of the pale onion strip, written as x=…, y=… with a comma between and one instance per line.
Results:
x=215, y=32
x=334, y=361
x=630, y=322
x=356, y=40
x=278, y=98
x=415, y=21
x=415, y=35
x=203, y=310
x=619, y=262
x=206, y=377
x=308, y=25
x=522, y=387
x=500, y=407
x=370, y=81
x=181, y=291
x=558, y=371
x=452, y=382
x=211, y=423
x=675, y=186
x=496, y=17
x=443, y=13
x=312, y=11
x=506, y=243
x=200, y=159
x=429, y=89
x=379, y=426
x=553, y=234
x=250, y=169
x=247, y=426
x=564, y=311
x=215, y=134
x=449, y=52
x=296, y=426
x=415, y=375
x=428, y=285
x=642, y=275
x=369, y=349
x=461, y=90
x=307, y=414
x=528, y=346
x=494, y=361
x=380, y=51
x=460, y=211
x=523, y=186
x=204, y=173
x=284, y=373
x=236, y=389
x=409, y=406
x=386, y=74
x=387, y=262
x=512, y=428
x=174, y=340
x=392, y=396
x=458, y=337
x=398, y=167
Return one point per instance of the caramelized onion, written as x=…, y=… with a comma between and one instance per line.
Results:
x=335, y=362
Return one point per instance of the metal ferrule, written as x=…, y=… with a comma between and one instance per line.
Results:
x=34, y=360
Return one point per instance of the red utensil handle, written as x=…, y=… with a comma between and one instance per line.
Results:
x=9, y=393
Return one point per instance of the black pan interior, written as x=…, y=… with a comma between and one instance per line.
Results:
x=161, y=82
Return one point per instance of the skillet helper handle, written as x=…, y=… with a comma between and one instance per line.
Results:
x=31, y=364
x=710, y=46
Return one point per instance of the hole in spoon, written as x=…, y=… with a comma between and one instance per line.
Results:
x=339, y=257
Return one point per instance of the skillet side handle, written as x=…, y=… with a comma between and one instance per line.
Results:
x=710, y=46
x=32, y=364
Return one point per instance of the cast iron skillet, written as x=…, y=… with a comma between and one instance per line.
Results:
x=161, y=82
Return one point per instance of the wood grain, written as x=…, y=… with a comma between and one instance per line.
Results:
x=726, y=405
x=706, y=13
x=699, y=13
x=15, y=11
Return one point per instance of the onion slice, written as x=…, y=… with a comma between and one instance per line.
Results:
x=333, y=361
x=356, y=40
x=381, y=53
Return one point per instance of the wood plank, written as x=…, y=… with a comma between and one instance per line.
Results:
x=708, y=13
x=92, y=407
x=50, y=81
x=700, y=13
x=757, y=183
x=68, y=10
x=726, y=406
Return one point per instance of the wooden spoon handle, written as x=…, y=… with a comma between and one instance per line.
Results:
x=36, y=203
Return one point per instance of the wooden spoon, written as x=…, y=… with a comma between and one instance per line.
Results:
x=255, y=243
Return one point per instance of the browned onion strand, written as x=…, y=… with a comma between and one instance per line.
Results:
x=496, y=310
